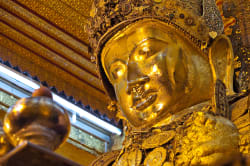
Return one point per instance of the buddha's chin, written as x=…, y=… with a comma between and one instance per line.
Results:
x=143, y=124
x=148, y=121
x=151, y=116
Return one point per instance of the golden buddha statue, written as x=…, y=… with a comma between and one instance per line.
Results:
x=170, y=69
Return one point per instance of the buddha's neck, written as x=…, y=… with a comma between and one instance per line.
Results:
x=176, y=116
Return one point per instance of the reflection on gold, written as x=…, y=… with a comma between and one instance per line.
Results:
x=160, y=106
x=155, y=70
x=7, y=126
x=18, y=109
x=120, y=73
x=145, y=49
x=152, y=115
x=139, y=57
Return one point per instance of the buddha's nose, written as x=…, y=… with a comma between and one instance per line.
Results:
x=135, y=76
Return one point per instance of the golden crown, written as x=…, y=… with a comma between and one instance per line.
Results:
x=199, y=20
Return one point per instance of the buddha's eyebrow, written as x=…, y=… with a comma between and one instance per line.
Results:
x=136, y=45
x=142, y=42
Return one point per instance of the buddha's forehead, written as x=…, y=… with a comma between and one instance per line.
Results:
x=125, y=41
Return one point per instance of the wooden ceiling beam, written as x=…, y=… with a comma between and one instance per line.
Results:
x=49, y=55
x=59, y=15
x=49, y=42
x=62, y=80
x=47, y=39
x=45, y=27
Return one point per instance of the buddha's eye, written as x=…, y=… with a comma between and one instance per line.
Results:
x=117, y=70
x=142, y=53
x=147, y=49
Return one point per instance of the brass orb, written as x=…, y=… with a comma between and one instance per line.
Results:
x=38, y=120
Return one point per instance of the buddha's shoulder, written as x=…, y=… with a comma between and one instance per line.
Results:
x=239, y=106
x=106, y=159
x=207, y=123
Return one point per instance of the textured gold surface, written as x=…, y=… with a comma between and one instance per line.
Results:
x=81, y=6
x=49, y=55
x=60, y=14
x=45, y=27
x=47, y=41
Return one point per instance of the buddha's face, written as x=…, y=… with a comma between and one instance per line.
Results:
x=155, y=72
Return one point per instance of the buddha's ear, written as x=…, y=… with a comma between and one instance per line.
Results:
x=221, y=60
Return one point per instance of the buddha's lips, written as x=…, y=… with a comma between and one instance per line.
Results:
x=144, y=102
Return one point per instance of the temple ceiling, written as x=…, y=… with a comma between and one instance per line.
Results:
x=47, y=39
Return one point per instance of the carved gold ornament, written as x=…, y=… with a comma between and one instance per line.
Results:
x=131, y=158
x=158, y=139
x=186, y=16
x=156, y=157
